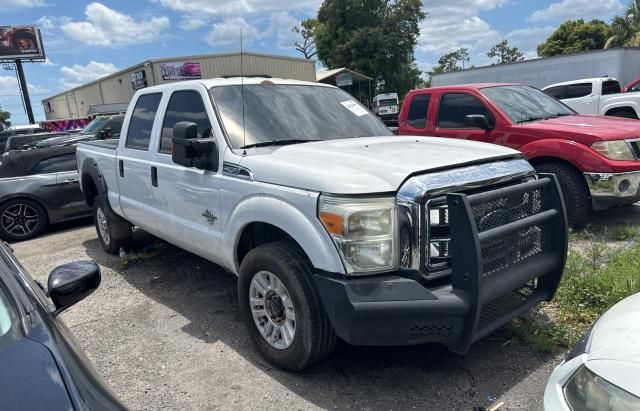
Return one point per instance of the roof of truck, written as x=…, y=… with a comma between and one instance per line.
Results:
x=474, y=86
x=233, y=81
x=581, y=80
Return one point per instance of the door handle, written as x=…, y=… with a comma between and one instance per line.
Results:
x=154, y=176
x=121, y=167
x=70, y=181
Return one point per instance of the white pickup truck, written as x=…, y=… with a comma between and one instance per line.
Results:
x=600, y=95
x=334, y=226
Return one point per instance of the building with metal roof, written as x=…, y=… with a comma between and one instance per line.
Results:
x=357, y=84
x=120, y=86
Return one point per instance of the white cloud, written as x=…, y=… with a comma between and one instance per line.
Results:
x=17, y=4
x=281, y=25
x=78, y=74
x=48, y=63
x=238, y=8
x=193, y=22
x=8, y=85
x=108, y=27
x=574, y=9
x=227, y=33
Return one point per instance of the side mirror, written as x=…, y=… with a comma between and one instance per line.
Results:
x=70, y=283
x=191, y=151
x=478, y=121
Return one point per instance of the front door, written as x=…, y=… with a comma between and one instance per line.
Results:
x=133, y=163
x=187, y=199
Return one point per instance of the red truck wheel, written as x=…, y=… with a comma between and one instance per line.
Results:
x=575, y=191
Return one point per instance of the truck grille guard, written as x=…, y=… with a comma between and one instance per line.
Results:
x=513, y=241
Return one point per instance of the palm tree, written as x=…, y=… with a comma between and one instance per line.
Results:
x=625, y=28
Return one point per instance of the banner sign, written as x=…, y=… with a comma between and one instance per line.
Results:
x=138, y=80
x=343, y=79
x=20, y=43
x=180, y=71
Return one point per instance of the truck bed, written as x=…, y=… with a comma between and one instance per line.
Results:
x=111, y=144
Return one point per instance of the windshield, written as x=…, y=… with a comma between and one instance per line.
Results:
x=524, y=103
x=388, y=102
x=95, y=125
x=278, y=112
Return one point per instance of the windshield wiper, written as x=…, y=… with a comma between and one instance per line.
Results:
x=530, y=119
x=277, y=143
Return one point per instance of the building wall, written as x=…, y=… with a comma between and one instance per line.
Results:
x=117, y=88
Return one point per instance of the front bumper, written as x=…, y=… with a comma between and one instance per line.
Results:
x=613, y=189
x=404, y=308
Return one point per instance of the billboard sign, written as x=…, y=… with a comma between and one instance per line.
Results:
x=179, y=70
x=343, y=79
x=138, y=80
x=20, y=43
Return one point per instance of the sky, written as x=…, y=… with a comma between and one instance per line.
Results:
x=86, y=40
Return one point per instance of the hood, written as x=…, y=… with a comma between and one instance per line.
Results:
x=56, y=141
x=30, y=378
x=367, y=164
x=591, y=128
x=614, y=351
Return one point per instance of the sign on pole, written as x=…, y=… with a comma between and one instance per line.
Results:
x=20, y=43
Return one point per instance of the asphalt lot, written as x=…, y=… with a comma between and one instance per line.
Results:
x=165, y=332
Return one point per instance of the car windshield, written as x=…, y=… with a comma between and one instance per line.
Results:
x=524, y=103
x=287, y=114
x=8, y=320
x=95, y=125
x=389, y=102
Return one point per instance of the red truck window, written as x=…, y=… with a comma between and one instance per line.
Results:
x=454, y=107
x=417, y=116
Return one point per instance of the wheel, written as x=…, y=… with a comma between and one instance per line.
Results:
x=281, y=307
x=575, y=191
x=113, y=231
x=21, y=219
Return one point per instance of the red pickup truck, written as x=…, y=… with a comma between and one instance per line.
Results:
x=596, y=158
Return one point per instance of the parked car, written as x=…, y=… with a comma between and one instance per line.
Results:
x=101, y=128
x=596, y=158
x=27, y=141
x=43, y=366
x=18, y=131
x=335, y=227
x=37, y=188
x=601, y=95
x=600, y=372
x=632, y=86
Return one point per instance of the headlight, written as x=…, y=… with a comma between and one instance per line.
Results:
x=363, y=230
x=587, y=391
x=614, y=150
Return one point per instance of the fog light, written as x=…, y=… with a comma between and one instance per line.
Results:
x=624, y=186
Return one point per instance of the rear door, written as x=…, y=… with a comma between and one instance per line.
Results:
x=187, y=200
x=581, y=97
x=453, y=108
x=414, y=119
x=133, y=166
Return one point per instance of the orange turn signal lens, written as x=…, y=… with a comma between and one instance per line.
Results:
x=332, y=222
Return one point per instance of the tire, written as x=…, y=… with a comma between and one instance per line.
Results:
x=313, y=337
x=21, y=219
x=113, y=231
x=575, y=192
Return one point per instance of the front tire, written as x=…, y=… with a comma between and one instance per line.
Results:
x=574, y=191
x=113, y=231
x=281, y=308
x=21, y=219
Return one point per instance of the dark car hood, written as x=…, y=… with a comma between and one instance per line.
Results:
x=594, y=128
x=30, y=379
x=55, y=141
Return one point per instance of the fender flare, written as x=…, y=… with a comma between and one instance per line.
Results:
x=622, y=104
x=308, y=233
x=580, y=156
x=91, y=172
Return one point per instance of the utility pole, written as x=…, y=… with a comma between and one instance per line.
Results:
x=25, y=92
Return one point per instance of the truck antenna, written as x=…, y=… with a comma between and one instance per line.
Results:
x=244, y=133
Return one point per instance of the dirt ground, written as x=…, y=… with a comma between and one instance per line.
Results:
x=165, y=333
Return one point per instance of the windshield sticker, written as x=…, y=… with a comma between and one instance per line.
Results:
x=354, y=107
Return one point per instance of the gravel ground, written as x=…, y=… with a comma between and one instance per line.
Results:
x=165, y=333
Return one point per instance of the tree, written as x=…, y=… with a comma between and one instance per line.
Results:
x=375, y=37
x=504, y=53
x=4, y=119
x=574, y=36
x=453, y=61
x=307, y=46
x=625, y=29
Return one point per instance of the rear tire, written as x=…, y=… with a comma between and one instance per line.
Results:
x=113, y=231
x=275, y=283
x=574, y=189
x=21, y=219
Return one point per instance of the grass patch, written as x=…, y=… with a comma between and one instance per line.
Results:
x=593, y=281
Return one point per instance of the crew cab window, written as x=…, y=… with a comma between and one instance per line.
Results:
x=455, y=107
x=139, y=133
x=578, y=90
x=611, y=87
x=184, y=106
x=557, y=92
x=55, y=164
x=417, y=117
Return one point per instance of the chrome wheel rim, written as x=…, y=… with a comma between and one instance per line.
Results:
x=20, y=220
x=103, y=226
x=272, y=310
